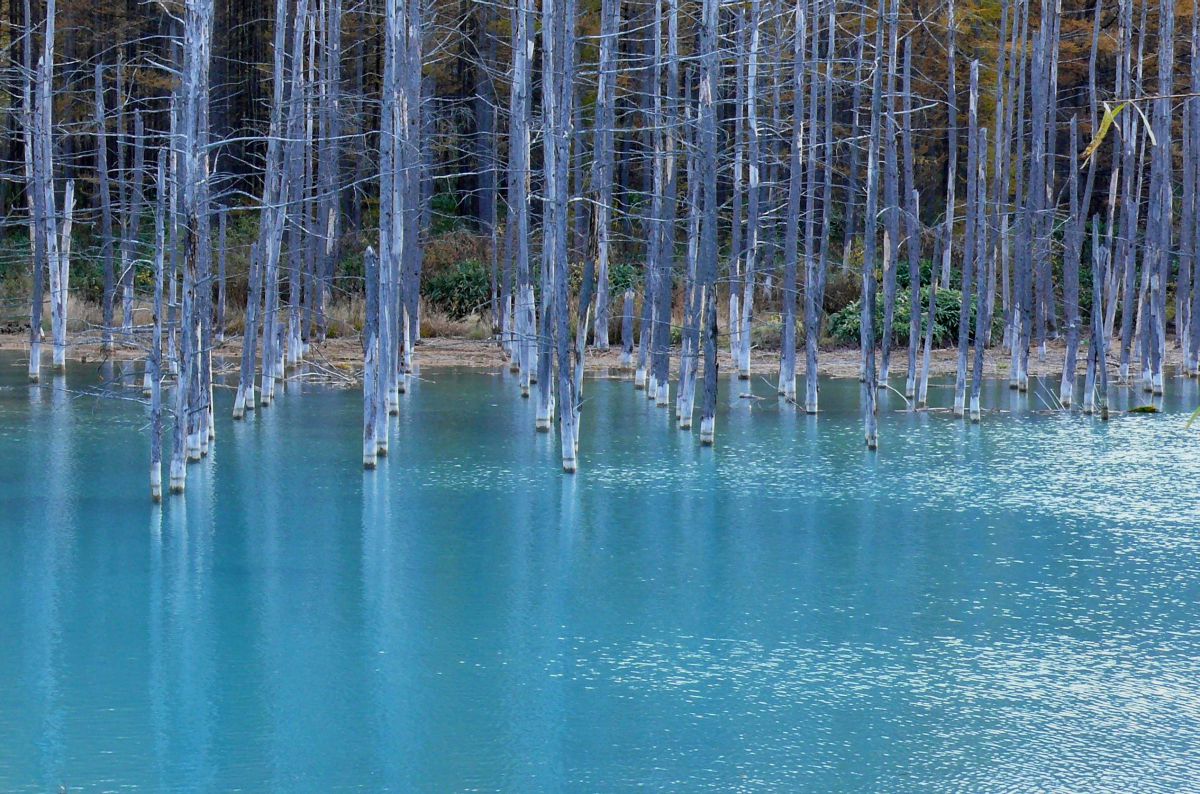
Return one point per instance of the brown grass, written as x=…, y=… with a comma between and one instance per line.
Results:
x=449, y=249
x=438, y=325
x=344, y=320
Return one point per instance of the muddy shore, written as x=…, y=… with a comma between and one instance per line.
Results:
x=341, y=359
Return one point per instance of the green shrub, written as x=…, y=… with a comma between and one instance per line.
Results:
x=622, y=276
x=444, y=215
x=459, y=291
x=844, y=325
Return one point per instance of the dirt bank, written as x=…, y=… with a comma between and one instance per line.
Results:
x=341, y=359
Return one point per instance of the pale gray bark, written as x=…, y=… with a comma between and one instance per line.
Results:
x=265, y=255
x=34, y=196
x=154, y=360
x=40, y=171
x=814, y=304
x=891, y=197
x=666, y=224
x=106, y=212
x=787, y=353
x=931, y=309
x=952, y=143
x=754, y=196
x=602, y=146
x=969, y=254
x=912, y=225
x=707, y=267
x=983, y=266
x=867, y=319
x=370, y=341
x=1072, y=250
x=518, y=193
x=131, y=221
x=219, y=319
x=192, y=176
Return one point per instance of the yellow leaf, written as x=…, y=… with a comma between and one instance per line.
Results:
x=1110, y=115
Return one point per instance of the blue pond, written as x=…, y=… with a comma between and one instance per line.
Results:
x=1013, y=606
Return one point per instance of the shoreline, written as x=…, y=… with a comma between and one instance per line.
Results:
x=341, y=358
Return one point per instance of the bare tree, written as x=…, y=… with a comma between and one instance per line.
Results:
x=867, y=318
x=154, y=360
x=602, y=169
x=707, y=267
x=791, y=241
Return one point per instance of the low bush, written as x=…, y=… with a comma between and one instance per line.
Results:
x=844, y=325
x=459, y=291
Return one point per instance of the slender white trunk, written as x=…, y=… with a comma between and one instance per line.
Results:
x=60, y=277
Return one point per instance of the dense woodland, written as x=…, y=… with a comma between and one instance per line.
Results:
x=670, y=177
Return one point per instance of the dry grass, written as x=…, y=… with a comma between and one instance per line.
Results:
x=344, y=320
x=437, y=324
x=235, y=320
x=82, y=315
x=449, y=249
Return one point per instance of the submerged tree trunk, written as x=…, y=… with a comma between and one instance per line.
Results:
x=787, y=354
x=736, y=228
x=983, y=318
x=627, y=330
x=1191, y=231
x=370, y=341
x=551, y=263
x=131, y=223
x=518, y=193
x=968, y=254
x=931, y=313
x=814, y=306
x=562, y=34
x=154, y=360
x=265, y=252
x=106, y=216
x=951, y=146
x=912, y=225
x=689, y=357
x=852, y=185
x=33, y=194
x=602, y=169
x=749, y=274
x=666, y=244
x=1073, y=249
x=1099, y=345
x=60, y=273
x=192, y=169
x=814, y=263
x=891, y=191
x=40, y=168
x=867, y=318
x=707, y=267
x=219, y=318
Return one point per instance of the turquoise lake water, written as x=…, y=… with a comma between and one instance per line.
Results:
x=1007, y=607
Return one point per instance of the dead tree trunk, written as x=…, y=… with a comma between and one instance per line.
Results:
x=154, y=360
x=106, y=217
x=191, y=161
x=968, y=254
x=370, y=341
x=708, y=236
x=867, y=320
x=787, y=353
x=602, y=169
x=912, y=225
